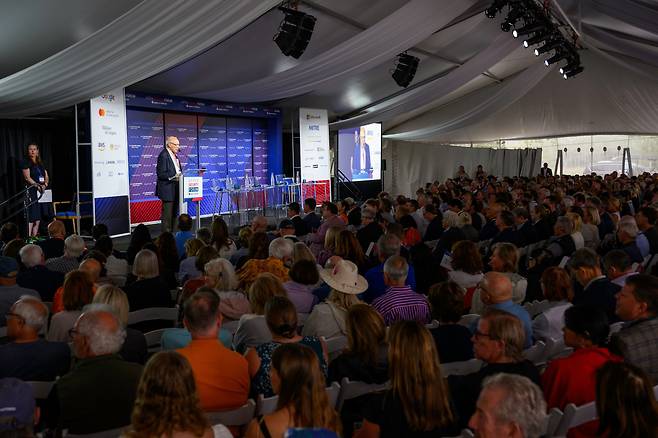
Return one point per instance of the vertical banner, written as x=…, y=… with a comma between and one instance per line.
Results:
x=314, y=150
x=109, y=146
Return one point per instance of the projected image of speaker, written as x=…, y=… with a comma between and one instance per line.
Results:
x=360, y=152
x=405, y=69
x=294, y=32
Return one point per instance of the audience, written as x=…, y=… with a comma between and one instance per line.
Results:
x=35, y=275
x=99, y=391
x=149, y=290
x=244, y=238
x=370, y=230
x=10, y=292
x=453, y=341
x=77, y=293
x=203, y=256
x=388, y=245
x=92, y=268
x=18, y=406
x=184, y=233
x=647, y=239
x=139, y=237
x=330, y=219
x=328, y=319
x=466, y=268
x=637, y=341
x=280, y=255
x=589, y=229
x=509, y=406
x=281, y=318
x=187, y=268
x=596, y=290
x=329, y=248
x=311, y=219
x=557, y=290
x=27, y=356
x=168, y=259
x=8, y=233
x=74, y=246
x=303, y=402
x=116, y=269
x=504, y=259
x=220, y=238
x=220, y=276
x=418, y=403
x=293, y=212
x=304, y=277
x=618, y=267
x=221, y=375
x=572, y=379
x=53, y=246
x=348, y=248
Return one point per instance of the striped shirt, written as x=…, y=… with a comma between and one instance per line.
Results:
x=401, y=303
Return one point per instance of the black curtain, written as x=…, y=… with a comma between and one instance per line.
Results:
x=56, y=140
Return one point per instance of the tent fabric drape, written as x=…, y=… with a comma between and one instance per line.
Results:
x=150, y=38
x=472, y=109
x=380, y=43
x=427, y=93
x=414, y=164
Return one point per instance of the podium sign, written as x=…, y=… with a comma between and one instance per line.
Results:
x=192, y=187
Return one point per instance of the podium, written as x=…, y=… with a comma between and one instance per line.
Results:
x=190, y=186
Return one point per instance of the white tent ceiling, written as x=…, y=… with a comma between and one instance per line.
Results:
x=616, y=92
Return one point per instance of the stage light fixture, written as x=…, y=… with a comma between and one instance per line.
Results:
x=294, y=32
x=548, y=46
x=405, y=69
x=540, y=37
x=515, y=13
x=555, y=58
x=573, y=63
x=572, y=73
x=528, y=29
x=495, y=8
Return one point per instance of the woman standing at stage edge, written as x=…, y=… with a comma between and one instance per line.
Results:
x=36, y=176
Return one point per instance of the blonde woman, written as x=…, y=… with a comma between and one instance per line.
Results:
x=328, y=319
x=187, y=269
x=576, y=234
x=590, y=227
x=504, y=259
x=329, y=244
x=220, y=276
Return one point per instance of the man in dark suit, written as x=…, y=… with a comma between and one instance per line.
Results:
x=646, y=222
x=506, y=230
x=361, y=165
x=311, y=219
x=595, y=290
x=169, y=172
x=527, y=233
x=293, y=214
x=545, y=171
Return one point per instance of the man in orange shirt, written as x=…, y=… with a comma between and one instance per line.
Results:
x=221, y=375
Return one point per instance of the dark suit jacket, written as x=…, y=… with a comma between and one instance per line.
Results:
x=165, y=189
x=301, y=229
x=42, y=280
x=633, y=252
x=652, y=236
x=489, y=230
x=312, y=221
x=434, y=229
x=507, y=235
x=545, y=171
x=601, y=293
x=52, y=247
x=354, y=217
x=356, y=162
x=543, y=229
x=606, y=226
x=527, y=234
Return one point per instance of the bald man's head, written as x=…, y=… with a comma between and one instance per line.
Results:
x=496, y=287
x=92, y=268
x=56, y=229
x=97, y=332
x=173, y=144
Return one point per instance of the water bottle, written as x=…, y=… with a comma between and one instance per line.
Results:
x=272, y=182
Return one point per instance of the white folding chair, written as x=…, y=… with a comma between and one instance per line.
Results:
x=432, y=325
x=467, y=320
x=350, y=390
x=536, y=353
x=555, y=348
x=154, y=340
x=655, y=391
x=461, y=368
x=41, y=390
x=552, y=422
x=333, y=391
x=615, y=327
x=575, y=416
x=265, y=406
x=335, y=345
x=236, y=417
x=153, y=314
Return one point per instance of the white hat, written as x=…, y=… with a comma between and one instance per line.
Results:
x=344, y=277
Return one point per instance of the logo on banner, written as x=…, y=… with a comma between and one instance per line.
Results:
x=101, y=147
x=108, y=97
x=101, y=112
x=312, y=117
x=314, y=127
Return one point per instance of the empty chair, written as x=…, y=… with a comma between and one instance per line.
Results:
x=265, y=406
x=575, y=416
x=555, y=349
x=350, y=390
x=335, y=345
x=236, y=417
x=553, y=421
x=467, y=320
x=41, y=389
x=154, y=340
x=153, y=314
x=536, y=353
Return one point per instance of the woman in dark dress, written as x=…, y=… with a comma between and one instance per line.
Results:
x=453, y=341
x=36, y=177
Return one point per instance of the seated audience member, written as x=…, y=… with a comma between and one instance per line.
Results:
x=560, y=245
x=590, y=227
x=541, y=222
x=330, y=219
x=625, y=402
x=139, y=237
x=647, y=239
x=597, y=290
x=280, y=254
x=167, y=387
x=116, y=268
x=576, y=234
x=134, y=348
x=293, y=212
x=466, y=224
x=418, y=403
x=304, y=277
x=637, y=341
x=244, y=237
x=411, y=235
x=626, y=235
x=506, y=230
x=328, y=318
x=498, y=341
x=220, y=276
x=466, y=268
x=53, y=246
x=36, y=276
x=183, y=234
x=77, y=293
x=303, y=400
x=259, y=247
x=20, y=413
x=10, y=292
x=370, y=231
x=388, y=245
x=504, y=259
x=204, y=234
x=452, y=234
x=434, y=220
x=556, y=288
x=221, y=375
x=13, y=248
x=287, y=229
x=27, y=357
x=453, y=341
x=203, y=256
x=220, y=239
x=523, y=223
x=618, y=267
x=489, y=229
x=92, y=268
x=281, y=318
x=74, y=246
x=252, y=329
x=149, y=290
x=348, y=248
x=329, y=248
x=511, y=406
x=168, y=259
x=400, y=302
x=572, y=379
x=187, y=268
x=311, y=219
x=8, y=233
x=99, y=391
x=425, y=267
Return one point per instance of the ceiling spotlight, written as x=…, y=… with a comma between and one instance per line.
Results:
x=572, y=73
x=573, y=63
x=495, y=7
x=294, y=32
x=528, y=29
x=555, y=58
x=535, y=40
x=405, y=69
x=550, y=45
x=514, y=14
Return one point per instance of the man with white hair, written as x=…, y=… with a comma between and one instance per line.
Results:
x=280, y=255
x=35, y=275
x=27, y=357
x=511, y=406
x=169, y=171
x=626, y=235
x=9, y=290
x=99, y=392
x=74, y=246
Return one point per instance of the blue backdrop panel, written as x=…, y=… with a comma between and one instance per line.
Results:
x=238, y=148
x=113, y=212
x=212, y=156
x=260, y=151
x=184, y=127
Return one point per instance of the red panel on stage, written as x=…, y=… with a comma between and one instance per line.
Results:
x=320, y=190
x=145, y=211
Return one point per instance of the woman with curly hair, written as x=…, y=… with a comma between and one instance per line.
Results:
x=303, y=400
x=167, y=402
x=220, y=240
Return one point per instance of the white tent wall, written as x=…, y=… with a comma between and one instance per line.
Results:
x=413, y=164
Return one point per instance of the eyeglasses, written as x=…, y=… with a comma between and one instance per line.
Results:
x=479, y=334
x=14, y=315
x=174, y=144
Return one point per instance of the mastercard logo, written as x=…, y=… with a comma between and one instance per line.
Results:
x=101, y=112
